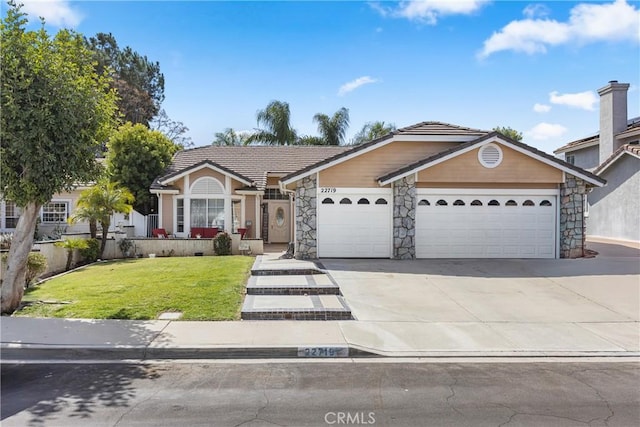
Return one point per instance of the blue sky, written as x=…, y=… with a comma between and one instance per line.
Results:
x=534, y=66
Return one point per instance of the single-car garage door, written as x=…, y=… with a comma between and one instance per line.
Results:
x=486, y=225
x=354, y=223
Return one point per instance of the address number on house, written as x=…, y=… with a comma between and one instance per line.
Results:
x=323, y=352
x=328, y=189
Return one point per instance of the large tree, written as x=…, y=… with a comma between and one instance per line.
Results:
x=373, y=130
x=103, y=200
x=333, y=129
x=175, y=130
x=135, y=157
x=276, y=122
x=509, y=132
x=55, y=112
x=138, y=81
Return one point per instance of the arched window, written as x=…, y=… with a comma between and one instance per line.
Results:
x=545, y=203
x=424, y=202
x=345, y=201
x=381, y=201
x=207, y=186
x=441, y=202
x=476, y=203
x=528, y=203
x=458, y=203
x=327, y=201
x=363, y=201
x=494, y=203
x=511, y=203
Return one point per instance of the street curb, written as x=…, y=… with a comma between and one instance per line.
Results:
x=31, y=352
x=28, y=352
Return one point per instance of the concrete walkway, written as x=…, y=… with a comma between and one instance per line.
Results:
x=457, y=308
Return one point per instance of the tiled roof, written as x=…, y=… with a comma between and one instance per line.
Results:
x=633, y=149
x=632, y=125
x=439, y=128
x=251, y=162
x=465, y=145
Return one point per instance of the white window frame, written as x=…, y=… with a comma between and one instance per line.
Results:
x=67, y=213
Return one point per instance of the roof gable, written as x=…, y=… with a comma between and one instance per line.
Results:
x=420, y=132
x=628, y=149
x=492, y=137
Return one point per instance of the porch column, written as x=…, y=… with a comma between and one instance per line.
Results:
x=404, y=218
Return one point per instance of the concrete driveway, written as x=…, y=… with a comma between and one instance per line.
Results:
x=580, y=304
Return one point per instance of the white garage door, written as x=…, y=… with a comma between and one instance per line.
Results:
x=486, y=225
x=354, y=223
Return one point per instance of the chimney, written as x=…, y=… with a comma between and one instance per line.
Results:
x=613, y=116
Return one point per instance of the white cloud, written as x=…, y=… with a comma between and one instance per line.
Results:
x=355, y=84
x=583, y=100
x=536, y=11
x=543, y=131
x=541, y=108
x=428, y=11
x=55, y=12
x=587, y=23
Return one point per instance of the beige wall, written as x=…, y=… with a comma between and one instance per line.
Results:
x=491, y=185
x=206, y=172
x=514, y=168
x=250, y=214
x=167, y=213
x=273, y=180
x=363, y=171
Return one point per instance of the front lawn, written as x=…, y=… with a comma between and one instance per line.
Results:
x=202, y=288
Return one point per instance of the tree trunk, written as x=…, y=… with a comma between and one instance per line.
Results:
x=69, y=259
x=13, y=280
x=105, y=232
x=93, y=228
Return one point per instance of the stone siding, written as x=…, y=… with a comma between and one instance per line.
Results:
x=404, y=218
x=572, y=224
x=306, y=219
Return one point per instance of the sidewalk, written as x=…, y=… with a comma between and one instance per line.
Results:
x=67, y=339
x=434, y=326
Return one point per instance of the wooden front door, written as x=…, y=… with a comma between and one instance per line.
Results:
x=279, y=221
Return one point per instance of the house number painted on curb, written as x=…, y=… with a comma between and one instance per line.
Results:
x=327, y=189
x=323, y=352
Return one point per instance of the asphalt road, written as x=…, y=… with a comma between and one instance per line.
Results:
x=321, y=394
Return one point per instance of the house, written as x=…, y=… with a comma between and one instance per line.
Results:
x=614, y=155
x=431, y=190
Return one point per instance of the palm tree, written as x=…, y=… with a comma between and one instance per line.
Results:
x=373, y=130
x=277, y=127
x=333, y=129
x=230, y=137
x=101, y=201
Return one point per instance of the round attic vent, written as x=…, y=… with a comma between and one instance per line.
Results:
x=490, y=155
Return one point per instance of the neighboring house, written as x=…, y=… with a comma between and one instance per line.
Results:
x=431, y=190
x=612, y=154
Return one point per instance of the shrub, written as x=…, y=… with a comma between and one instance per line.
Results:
x=71, y=245
x=222, y=244
x=92, y=251
x=36, y=265
x=125, y=246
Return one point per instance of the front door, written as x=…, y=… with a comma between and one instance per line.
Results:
x=279, y=221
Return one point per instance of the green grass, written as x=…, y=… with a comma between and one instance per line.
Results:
x=202, y=288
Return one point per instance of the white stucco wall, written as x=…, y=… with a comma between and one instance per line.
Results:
x=614, y=210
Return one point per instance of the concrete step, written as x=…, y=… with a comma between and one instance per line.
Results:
x=267, y=265
x=310, y=284
x=295, y=307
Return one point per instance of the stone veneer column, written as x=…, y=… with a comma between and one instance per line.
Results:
x=572, y=225
x=306, y=222
x=404, y=218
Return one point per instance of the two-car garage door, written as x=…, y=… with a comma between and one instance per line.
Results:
x=354, y=223
x=485, y=225
x=358, y=223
